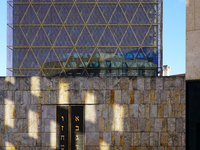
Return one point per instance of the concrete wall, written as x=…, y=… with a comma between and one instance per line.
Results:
x=192, y=39
x=120, y=113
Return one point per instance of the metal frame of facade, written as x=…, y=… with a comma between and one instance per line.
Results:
x=62, y=69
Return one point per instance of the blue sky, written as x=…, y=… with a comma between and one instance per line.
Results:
x=174, y=19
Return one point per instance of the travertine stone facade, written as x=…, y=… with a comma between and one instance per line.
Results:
x=192, y=39
x=136, y=113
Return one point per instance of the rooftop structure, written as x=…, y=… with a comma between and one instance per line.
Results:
x=84, y=38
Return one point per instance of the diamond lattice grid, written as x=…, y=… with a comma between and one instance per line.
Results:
x=85, y=38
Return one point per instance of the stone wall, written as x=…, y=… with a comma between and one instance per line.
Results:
x=192, y=40
x=136, y=113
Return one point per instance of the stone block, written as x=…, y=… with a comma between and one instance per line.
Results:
x=158, y=125
x=127, y=138
x=107, y=141
x=36, y=83
x=156, y=138
x=151, y=96
x=164, y=139
x=26, y=97
x=177, y=139
x=170, y=139
x=62, y=83
x=117, y=138
x=125, y=97
x=133, y=125
x=108, y=96
x=2, y=83
x=91, y=117
x=53, y=97
x=47, y=83
x=124, y=111
x=142, y=125
x=134, y=85
x=182, y=97
x=140, y=83
x=157, y=97
x=144, y=138
x=165, y=111
x=103, y=110
x=196, y=15
x=109, y=84
x=101, y=125
x=17, y=139
x=109, y=125
x=170, y=83
x=99, y=83
x=91, y=97
x=148, y=125
x=190, y=14
x=36, y=97
x=147, y=83
x=88, y=83
x=160, y=109
x=1, y=97
x=152, y=124
x=146, y=97
x=114, y=111
x=21, y=111
x=8, y=97
x=138, y=97
x=25, y=139
x=177, y=110
x=134, y=110
x=166, y=96
x=131, y=97
x=101, y=96
x=1, y=141
x=77, y=83
x=179, y=125
x=135, y=139
x=192, y=53
x=159, y=83
x=116, y=83
x=153, y=111
x=124, y=83
x=171, y=124
x=45, y=97
x=183, y=110
x=117, y=97
x=63, y=96
x=164, y=125
x=2, y=111
x=23, y=83
x=130, y=124
x=183, y=139
x=75, y=96
x=153, y=83
x=151, y=140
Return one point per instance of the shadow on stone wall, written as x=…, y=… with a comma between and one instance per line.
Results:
x=120, y=113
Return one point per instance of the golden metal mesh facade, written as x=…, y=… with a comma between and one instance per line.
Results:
x=85, y=37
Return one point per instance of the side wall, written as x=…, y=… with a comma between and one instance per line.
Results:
x=192, y=39
x=120, y=113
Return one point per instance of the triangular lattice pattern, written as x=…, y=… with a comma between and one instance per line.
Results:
x=95, y=38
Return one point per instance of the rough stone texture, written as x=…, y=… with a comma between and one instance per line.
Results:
x=136, y=113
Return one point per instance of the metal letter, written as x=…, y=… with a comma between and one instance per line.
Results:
x=62, y=127
x=76, y=118
x=77, y=147
x=62, y=147
x=77, y=128
x=62, y=137
x=77, y=138
x=62, y=118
